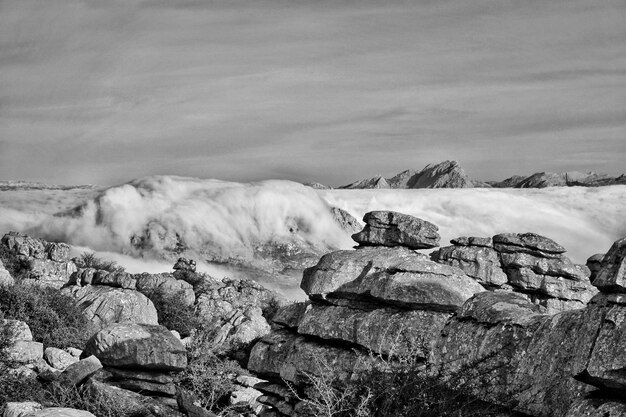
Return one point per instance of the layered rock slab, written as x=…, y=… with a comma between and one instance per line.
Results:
x=390, y=228
x=138, y=346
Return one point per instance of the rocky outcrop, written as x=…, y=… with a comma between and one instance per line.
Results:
x=138, y=346
x=166, y=283
x=40, y=262
x=506, y=350
x=140, y=362
x=104, y=305
x=20, y=347
x=235, y=308
x=5, y=276
x=527, y=263
x=390, y=228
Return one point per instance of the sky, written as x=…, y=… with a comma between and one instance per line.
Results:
x=103, y=92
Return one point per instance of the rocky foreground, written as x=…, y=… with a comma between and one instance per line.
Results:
x=507, y=319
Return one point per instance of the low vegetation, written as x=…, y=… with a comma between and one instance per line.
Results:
x=90, y=260
x=174, y=313
x=53, y=318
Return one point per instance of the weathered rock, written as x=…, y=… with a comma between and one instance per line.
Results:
x=5, y=276
x=501, y=349
x=185, y=264
x=597, y=407
x=148, y=376
x=104, y=305
x=612, y=275
x=235, y=309
x=345, y=220
x=247, y=396
x=21, y=409
x=139, y=346
x=128, y=401
x=594, y=263
x=146, y=387
x=390, y=228
x=485, y=242
x=119, y=279
x=58, y=359
x=282, y=354
x=290, y=315
x=58, y=252
x=386, y=331
x=24, y=245
x=607, y=364
x=165, y=284
x=479, y=262
x=49, y=273
x=557, y=267
x=18, y=330
x=24, y=351
x=530, y=243
x=77, y=372
x=187, y=404
x=394, y=276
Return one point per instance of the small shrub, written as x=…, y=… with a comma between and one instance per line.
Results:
x=53, y=318
x=90, y=260
x=210, y=375
x=174, y=313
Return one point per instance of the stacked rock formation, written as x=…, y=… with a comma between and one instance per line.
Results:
x=527, y=263
x=508, y=352
x=139, y=366
x=382, y=298
x=38, y=261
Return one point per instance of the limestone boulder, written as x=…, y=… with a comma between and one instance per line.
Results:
x=612, y=275
x=283, y=354
x=485, y=242
x=165, y=284
x=477, y=261
x=390, y=228
x=21, y=409
x=290, y=315
x=393, y=276
x=21, y=244
x=119, y=279
x=58, y=252
x=49, y=273
x=138, y=346
x=104, y=305
x=25, y=352
x=61, y=412
x=78, y=371
x=530, y=243
x=58, y=358
x=345, y=220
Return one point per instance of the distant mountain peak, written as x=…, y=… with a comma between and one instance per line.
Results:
x=446, y=174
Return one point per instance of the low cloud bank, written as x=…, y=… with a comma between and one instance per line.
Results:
x=231, y=227
x=584, y=220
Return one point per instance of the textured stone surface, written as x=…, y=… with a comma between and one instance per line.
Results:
x=345, y=220
x=104, y=305
x=479, y=262
x=25, y=352
x=390, y=228
x=512, y=355
x=594, y=263
x=396, y=276
x=58, y=358
x=485, y=242
x=290, y=315
x=386, y=331
x=78, y=371
x=119, y=279
x=5, y=276
x=166, y=284
x=21, y=409
x=531, y=243
x=283, y=354
x=612, y=275
x=138, y=346
x=597, y=407
x=18, y=330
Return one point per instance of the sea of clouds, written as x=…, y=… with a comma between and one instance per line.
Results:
x=232, y=220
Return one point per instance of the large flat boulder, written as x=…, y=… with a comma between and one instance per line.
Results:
x=104, y=305
x=530, y=243
x=393, y=276
x=167, y=284
x=139, y=346
x=390, y=228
